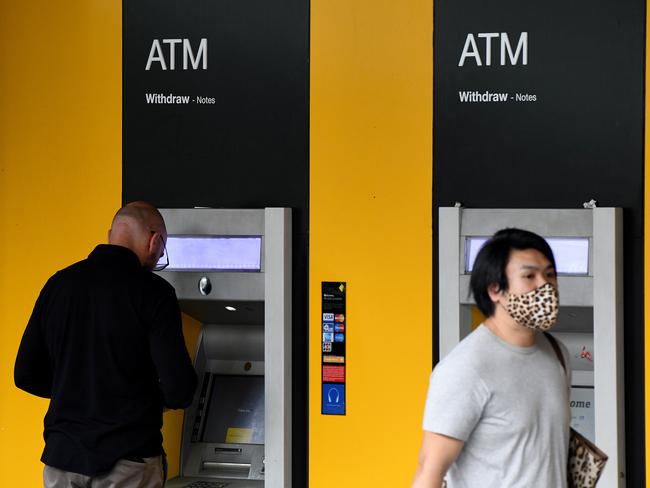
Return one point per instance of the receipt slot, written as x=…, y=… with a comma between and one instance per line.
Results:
x=587, y=246
x=231, y=270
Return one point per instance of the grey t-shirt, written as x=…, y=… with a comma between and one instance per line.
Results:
x=511, y=407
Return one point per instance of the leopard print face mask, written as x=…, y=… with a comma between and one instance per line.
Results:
x=536, y=309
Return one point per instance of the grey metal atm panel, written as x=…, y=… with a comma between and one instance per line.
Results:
x=591, y=305
x=229, y=364
x=227, y=286
x=246, y=353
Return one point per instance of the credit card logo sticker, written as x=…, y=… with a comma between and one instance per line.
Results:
x=339, y=328
x=328, y=327
x=328, y=337
x=339, y=317
x=339, y=337
x=328, y=317
x=327, y=347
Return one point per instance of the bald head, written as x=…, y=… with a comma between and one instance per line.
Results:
x=140, y=227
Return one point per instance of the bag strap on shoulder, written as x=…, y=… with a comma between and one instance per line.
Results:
x=556, y=348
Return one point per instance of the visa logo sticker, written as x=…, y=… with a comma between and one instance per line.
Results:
x=328, y=317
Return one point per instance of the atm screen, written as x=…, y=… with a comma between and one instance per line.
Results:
x=213, y=253
x=571, y=253
x=235, y=410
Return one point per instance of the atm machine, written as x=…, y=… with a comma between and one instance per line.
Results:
x=587, y=246
x=232, y=272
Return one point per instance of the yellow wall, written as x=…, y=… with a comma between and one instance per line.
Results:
x=60, y=109
x=370, y=225
x=60, y=183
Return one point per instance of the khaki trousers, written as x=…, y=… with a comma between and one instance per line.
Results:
x=125, y=474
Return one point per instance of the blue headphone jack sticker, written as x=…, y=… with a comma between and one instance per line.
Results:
x=333, y=399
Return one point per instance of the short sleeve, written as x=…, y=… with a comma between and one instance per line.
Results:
x=455, y=401
x=33, y=367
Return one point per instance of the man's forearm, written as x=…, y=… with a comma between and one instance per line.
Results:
x=437, y=454
x=428, y=477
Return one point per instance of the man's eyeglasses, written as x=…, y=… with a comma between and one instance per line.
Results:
x=161, y=265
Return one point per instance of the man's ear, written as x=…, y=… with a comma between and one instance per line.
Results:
x=153, y=238
x=494, y=292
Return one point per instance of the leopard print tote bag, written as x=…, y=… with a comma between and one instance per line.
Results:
x=586, y=462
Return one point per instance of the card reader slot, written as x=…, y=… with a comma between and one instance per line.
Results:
x=228, y=450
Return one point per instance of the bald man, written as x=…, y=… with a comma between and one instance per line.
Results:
x=104, y=343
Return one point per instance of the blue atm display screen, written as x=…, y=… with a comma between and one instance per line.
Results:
x=213, y=253
x=571, y=253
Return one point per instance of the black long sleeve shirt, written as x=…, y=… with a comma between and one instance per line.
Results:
x=105, y=344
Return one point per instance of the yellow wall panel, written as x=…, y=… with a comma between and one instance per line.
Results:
x=60, y=183
x=60, y=145
x=370, y=225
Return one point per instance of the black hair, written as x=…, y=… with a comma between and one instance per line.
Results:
x=492, y=259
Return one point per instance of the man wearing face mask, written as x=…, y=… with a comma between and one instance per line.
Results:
x=105, y=345
x=497, y=413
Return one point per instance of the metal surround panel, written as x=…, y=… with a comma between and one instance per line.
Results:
x=597, y=298
x=268, y=293
x=609, y=395
x=214, y=221
x=277, y=348
x=545, y=222
x=237, y=286
x=449, y=292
